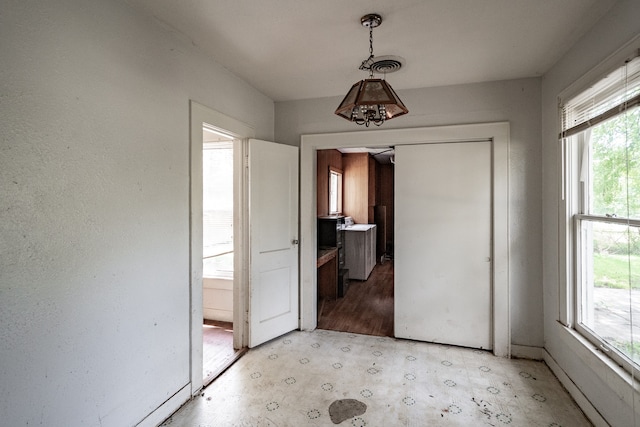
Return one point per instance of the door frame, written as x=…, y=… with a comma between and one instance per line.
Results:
x=497, y=132
x=198, y=115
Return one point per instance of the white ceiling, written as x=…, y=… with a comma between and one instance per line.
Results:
x=298, y=49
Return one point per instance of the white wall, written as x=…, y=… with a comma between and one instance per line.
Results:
x=94, y=208
x=217, y=299
x=609, y=392
x=516, y=101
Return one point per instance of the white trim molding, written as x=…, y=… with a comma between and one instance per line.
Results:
x=199, y=115
x=527, y=352
x=585, y=405
x=162, y=412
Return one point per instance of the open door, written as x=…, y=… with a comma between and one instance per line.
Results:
x=273, y=240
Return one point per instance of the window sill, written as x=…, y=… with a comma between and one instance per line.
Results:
x=224, y=283
x=607, y=370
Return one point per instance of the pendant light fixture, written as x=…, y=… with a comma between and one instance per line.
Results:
x=372, y=100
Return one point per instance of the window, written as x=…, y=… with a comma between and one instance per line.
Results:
x=601, y=129
x=335, y=191
x=217, y=215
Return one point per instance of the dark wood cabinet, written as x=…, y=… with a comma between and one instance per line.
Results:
x=331, y=235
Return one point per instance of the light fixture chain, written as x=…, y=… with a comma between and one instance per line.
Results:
x=370, y=60
x=371, y=41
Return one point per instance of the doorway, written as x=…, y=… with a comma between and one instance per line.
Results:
x=497, y=133
x=218, y=351
x=204, y=123
x=265, y=196
x=355, y=194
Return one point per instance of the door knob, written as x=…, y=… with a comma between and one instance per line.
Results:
x=295, y=241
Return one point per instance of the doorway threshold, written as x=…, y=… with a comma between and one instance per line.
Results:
x=211, y=376
x=217, y=349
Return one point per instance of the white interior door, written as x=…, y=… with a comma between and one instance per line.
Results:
x=273, y=240
x=443, y=243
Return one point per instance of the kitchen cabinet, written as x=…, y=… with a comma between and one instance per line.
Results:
x=327, y=265
x=360, y=250
x=331, y=235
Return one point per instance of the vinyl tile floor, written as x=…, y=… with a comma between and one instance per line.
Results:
x=327, y=378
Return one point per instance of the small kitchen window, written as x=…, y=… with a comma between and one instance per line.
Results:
x=335, y=191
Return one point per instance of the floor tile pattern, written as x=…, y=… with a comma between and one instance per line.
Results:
x=294, y=379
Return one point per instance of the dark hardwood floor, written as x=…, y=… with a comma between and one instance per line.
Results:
x=367, y=307
x=217, y=348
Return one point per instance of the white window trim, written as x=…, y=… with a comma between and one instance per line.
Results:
x=570, y=158
x=339, y=173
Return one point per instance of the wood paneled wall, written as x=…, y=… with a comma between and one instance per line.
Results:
x=326, y=159
x=385, y=188
x=355, y=199
x=372, y=191
x=366, y=184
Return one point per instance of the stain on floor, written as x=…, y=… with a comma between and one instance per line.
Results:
x=344, y=409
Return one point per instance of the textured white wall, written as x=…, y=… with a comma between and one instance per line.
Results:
x=515, y=101
x=610, y=393
x=94, y=208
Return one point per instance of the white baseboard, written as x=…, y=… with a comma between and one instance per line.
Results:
x=584, y=404
x=219, y=315
x=167, y=408
x=527, y=352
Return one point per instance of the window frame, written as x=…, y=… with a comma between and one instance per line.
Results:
x=573, y=209
x=339, y=173
x=575, y=203
x=226, y=274
x=622, y=359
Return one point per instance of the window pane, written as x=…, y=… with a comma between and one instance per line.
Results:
x=615, y=163
x=610, y=270
x=217, y=220
x=219, y=267
x=335, y=187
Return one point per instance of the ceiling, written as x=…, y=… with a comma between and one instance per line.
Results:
x=299, y=49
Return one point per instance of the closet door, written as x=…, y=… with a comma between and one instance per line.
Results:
x=443, y=243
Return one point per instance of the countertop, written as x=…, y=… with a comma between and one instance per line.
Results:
x=325, y=255
x=359, y=227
